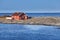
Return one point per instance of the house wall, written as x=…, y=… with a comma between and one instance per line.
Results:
x=9, y=18
x=19, y=17
x=26, y=18
x=16, y=17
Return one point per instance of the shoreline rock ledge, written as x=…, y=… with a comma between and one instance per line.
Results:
x=34, y=21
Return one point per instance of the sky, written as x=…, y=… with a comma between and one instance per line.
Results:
x=30, y=5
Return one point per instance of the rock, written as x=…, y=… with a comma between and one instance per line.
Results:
x=35, y=20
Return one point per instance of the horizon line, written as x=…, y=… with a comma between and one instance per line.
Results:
x=30, y=11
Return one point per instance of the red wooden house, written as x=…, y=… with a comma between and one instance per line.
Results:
x=19, y=16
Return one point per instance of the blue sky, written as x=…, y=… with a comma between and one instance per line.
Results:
x=29, y=5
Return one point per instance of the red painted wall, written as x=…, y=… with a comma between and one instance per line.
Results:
x=16, y=17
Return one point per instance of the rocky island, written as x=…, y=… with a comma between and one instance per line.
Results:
x=32, y=21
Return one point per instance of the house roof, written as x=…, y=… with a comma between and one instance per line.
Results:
x=18, y=14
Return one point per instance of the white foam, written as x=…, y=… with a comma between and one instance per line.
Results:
x=34, y=27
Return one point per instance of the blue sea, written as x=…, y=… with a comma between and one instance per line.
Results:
x=30, y=32
x=34, y=14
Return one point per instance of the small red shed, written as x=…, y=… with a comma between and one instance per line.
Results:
x=19, y=16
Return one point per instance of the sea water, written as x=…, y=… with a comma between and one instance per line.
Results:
x=34, y=14
x=29, y=32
